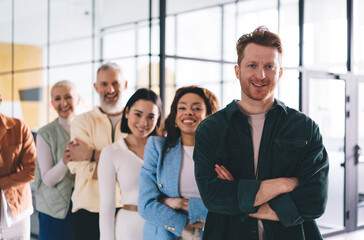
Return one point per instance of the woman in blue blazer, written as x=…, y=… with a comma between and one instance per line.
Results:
x=169, y=200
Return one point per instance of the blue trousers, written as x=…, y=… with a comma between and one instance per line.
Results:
x=51, y=228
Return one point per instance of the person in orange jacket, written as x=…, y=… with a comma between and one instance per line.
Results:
x=17, y=165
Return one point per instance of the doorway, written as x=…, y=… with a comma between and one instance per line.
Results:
x=324, y=100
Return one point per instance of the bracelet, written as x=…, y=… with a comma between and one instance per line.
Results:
x=93, y=156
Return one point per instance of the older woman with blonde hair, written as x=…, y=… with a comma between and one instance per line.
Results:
x=53, y=180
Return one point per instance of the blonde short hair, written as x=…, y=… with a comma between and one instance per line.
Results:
x=64, y=83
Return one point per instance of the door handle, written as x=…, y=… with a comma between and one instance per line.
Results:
x=357, y=152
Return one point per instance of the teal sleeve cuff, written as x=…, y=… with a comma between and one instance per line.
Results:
x=286, y=210
x=247, y=190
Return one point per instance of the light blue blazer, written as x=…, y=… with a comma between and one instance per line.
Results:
x=158, y=180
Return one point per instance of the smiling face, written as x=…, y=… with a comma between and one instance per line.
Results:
x=109, y=87
x=259, y=72
x=142, y=118
x=64, y=101
x=191, y=110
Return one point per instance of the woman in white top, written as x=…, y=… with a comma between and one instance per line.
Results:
x=121, y=163
x=53, y=181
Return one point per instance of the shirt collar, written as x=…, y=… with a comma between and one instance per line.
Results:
x=233, y=108
x=6, y=122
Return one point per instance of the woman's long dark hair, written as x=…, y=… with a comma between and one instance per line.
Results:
x=141, y=94
x=173, y=132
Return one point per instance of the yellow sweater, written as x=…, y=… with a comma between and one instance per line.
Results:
x=93, y=128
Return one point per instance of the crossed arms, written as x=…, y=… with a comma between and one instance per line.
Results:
x=278, y=199
x=268, y=190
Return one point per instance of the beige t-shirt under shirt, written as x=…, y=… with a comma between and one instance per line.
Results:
x=256, y=126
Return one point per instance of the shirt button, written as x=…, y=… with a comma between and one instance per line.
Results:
x=173, y=229
x=160, y=185
x=165, y=226
x=169, y=228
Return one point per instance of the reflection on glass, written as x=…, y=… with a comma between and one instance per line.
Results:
x=155, y=37
x=142, y=79
x=30, y=98
x=361, y=119
x=142, y=38
x=177, y=6
x=69, y=20
x=30, y=34
x=251, y=15
x=358, y=38
x=171, y=36
x=78, y=51
x=5, y=36
x=170, y=89
x=115, y=12
x=361, y=159
x=197, y=72
x=230, y=35
x=288, y=89
x=231, y=86
x=325, y=42
x=231, y=91
x=328, y=111
x=199, y=34
x=119, y=43
x=289, y=32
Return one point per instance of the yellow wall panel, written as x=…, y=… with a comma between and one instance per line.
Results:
x=25, y=57
x=5, y=87
x=5, y=57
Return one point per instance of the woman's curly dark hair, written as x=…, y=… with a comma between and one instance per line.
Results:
x=173, y=132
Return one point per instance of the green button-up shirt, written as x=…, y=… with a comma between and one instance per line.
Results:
x=291, y=146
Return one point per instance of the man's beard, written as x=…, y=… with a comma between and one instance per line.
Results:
x=108, y=108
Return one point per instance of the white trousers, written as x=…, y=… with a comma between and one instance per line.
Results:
x=18, y=231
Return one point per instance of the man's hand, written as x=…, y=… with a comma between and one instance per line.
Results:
x=268, y=190
x=195, y=225
x=180, y=204
x=79, y=150
x=175, y=203
x=223, y=173
x=271, y=188
x=265, y=212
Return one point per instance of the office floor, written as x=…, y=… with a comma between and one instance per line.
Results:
x=357, y=235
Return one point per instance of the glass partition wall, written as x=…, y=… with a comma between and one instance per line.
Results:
x=361, y=157
x=44, y=41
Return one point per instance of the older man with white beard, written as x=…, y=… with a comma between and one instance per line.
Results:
x=90, y=132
